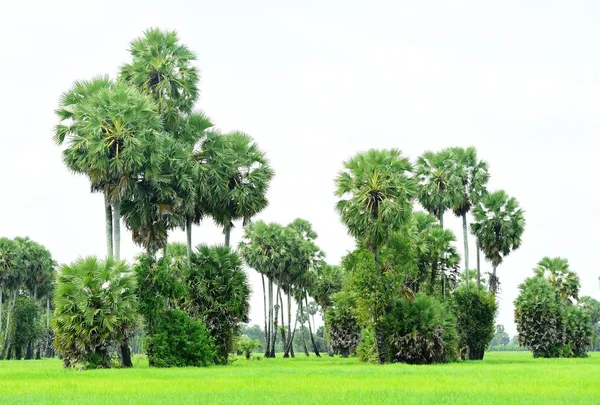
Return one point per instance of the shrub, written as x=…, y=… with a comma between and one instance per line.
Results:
x=343, y=329
x=95, y=310
x=367, y=348
x=421, y=331
x=247, y=346
x=578, y=331
x=539, y=318
x=475, y=313
x=180, y=341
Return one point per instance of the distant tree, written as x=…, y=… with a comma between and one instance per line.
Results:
x=95, y=310
x=499, y=225
x=376, y=192
x=500, y=338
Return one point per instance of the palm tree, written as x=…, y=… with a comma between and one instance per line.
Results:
x=95, y=309
x=111, y=130
x=376, y=193
x=164, y=69
x=245, y=176
x=7, y=259
x=499, y=225
x=473, y=175
x=220, y=293
x=556, y=270
x=439, y=186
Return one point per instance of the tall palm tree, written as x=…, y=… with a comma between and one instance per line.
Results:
x=95, y=309
x=376, y=192
x=245, y=176
x=164, y=69
x=473, y=175
x=499, y=225
x=111, y=130
x=556, y=270
x=439, y=185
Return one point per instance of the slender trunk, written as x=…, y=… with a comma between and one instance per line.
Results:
x=290, y=347
x=493, y=283
x=108, y=216
x=326, y=332
x=266, y=320
x=125, y=354
x=312, y=338
x=443, y=285
x=270, y=342
x=380, y=341
x=6, y=330
x=165, y=249
x=478, y=269
x=188, y=234
x=274, y=321
x=29, y=351
x=282, y=327
x=117, y=229
x=441, y=217
x=227, y=234
x=432, y=278
x=466, y=245
x=48, y=312
x=302, y=327
x=289, y=326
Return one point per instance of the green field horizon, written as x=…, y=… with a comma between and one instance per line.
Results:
x=501, y=378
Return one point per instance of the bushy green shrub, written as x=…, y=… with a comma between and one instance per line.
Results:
x=578, y=331
x=367, y=348
x=247, y=346
x=539, y=318
x=421, y=331
x=180, y=341
x=343, y=329
x=475, y=313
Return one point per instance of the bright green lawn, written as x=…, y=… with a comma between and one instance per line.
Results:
x=502, y=378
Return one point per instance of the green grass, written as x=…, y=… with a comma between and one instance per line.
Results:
x=502, y=378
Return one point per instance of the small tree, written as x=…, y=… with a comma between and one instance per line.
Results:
x=475, y=313
x=343, y=328
x=578, y=331
x=95, y=310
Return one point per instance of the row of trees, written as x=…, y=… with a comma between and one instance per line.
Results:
x=26, y=285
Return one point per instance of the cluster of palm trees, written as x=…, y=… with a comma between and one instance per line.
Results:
x=159, y=163
x=288, y=257
x=27, y=275
x=376, y=192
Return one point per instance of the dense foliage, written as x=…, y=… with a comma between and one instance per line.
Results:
x=180, y=341
x=343, y=328
x=475, y=314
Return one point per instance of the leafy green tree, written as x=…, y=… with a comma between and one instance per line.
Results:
x=556, y=270
x=110, y=130
x=475, y=314
x=440, y=186
x=539, y=318
x=578, y=331
x=501, y=338
x=95, y=310
x=220, y=293
x=376, y=192
x=248, y=345
x=343, y=327
x=26, y=327
x=473, y=175
x=499, y=225
x=246, y=175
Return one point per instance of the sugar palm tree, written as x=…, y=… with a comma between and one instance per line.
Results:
x=95, y=309
x=473, y=175
x=499, y=225
x=439, y=186
x=376, y=192
x=245, y=176
x=556, y=270
x=164, y=69
x=110, y=130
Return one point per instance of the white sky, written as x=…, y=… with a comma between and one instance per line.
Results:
x=315, y=82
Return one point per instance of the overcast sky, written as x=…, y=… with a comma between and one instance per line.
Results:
x=315, y=82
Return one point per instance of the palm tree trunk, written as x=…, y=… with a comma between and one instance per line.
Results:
x=125, y=354
x=478, y=269
x=108, y=217
x=289, y=309
x=282, y=327
x=302, y=327
x=227, y=235
x=441, y=218
x=165, y=249
x=270, y=343
x=266, y=320
x=466, y=244
x=188, y=234
x=117, y=229
x=6, y=330
x=275, y=321
x=312, y=338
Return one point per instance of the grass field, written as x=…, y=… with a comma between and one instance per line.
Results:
x=502, y=378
